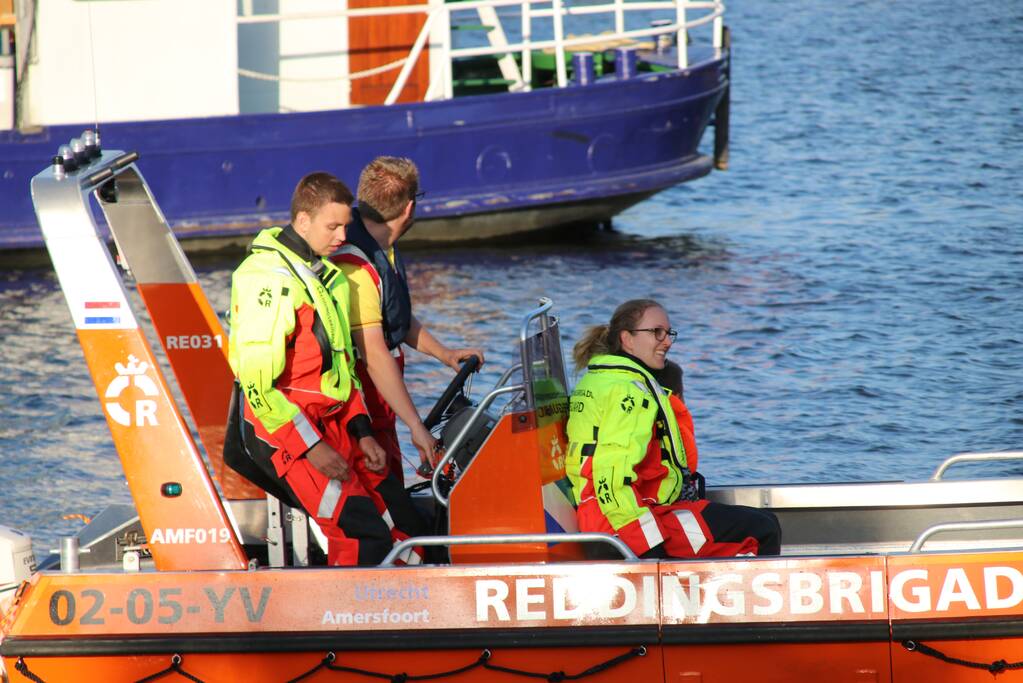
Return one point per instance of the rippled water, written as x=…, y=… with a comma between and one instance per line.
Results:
x=849, y=294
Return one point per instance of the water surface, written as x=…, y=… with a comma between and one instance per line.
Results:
x=848, y=294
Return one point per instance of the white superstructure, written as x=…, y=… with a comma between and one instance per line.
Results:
x=130, y=60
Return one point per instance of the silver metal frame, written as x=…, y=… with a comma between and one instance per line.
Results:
x=498, y=539
x=918, y=544
x=974, y=457
x=526, y=387
x=539, y=312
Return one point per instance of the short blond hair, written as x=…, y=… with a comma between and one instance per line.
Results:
x=386, y=186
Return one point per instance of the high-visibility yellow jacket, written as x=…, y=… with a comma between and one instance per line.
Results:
x=624, y=448
x=290, y=341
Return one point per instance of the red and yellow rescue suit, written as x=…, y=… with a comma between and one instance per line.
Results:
x=290, y=351
x=627, y=461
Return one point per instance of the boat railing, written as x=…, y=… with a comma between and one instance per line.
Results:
x=948, y=527
x=438, y=26
x=974, y=457
x=492, y=539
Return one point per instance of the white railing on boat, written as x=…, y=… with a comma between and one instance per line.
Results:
x=974, y=457
x=437, y=32
x=946, y=527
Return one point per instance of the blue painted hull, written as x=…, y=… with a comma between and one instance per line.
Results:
x=491, y=164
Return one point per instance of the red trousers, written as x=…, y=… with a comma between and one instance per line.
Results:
x=360, y=517
x=691, y=529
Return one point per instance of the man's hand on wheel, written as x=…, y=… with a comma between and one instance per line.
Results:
x=454, y=357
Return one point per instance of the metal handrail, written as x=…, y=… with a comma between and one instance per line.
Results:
x=507, y=375
x=495, y=539
x=975, y=457
x=963, y=526
x=451, y=449
x=579, y=40
x=268, y=18
x=410, y=61
x=545, y=305
x=557, y=11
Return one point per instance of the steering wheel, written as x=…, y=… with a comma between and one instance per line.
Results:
x=469, y=366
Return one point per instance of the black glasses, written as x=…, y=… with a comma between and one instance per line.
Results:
x=419, y=195
x=659, y=332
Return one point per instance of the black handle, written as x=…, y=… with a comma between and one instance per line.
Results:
x=469, y=366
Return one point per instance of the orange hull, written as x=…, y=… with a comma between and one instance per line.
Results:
x=780, y=619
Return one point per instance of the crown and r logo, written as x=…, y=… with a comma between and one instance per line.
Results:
x=144, y=409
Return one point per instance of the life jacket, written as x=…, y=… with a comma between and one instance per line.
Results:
x=363, y=250
x=286, y=379
x=619, y=410
x=686, y=430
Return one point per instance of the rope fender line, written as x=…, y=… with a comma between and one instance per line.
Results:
x=174, y=668
x=21, y=666
x=558, y=676
x=329, y=663
x=996, y=667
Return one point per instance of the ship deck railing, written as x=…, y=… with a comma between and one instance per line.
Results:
x=676, y=26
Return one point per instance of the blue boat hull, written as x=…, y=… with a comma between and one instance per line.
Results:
x=492, y=165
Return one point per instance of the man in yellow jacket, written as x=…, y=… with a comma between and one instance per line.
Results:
x=305, y=422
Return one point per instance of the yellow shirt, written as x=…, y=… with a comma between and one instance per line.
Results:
x=364, y=307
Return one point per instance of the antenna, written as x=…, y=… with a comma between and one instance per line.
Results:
x=92, y=60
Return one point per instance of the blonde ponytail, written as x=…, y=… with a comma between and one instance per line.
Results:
x=601, y=339
x=593, y=343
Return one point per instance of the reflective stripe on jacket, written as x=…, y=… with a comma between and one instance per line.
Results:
x=289, y=342
x=625, y=449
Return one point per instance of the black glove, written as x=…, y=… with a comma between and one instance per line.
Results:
x=693, y=487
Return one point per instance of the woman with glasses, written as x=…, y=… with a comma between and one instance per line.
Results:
x=630, y=462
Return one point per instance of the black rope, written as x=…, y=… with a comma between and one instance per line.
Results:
x=22, y=668
x=173, y=668
x=480, y=661
x=330, y=666
x=995, y=667
x=558, y=676
x=324, y=663
x=329, y=663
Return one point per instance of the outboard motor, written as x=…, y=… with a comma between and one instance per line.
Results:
x=17, y=561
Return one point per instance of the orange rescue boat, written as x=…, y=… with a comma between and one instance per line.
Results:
x=207, y=579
